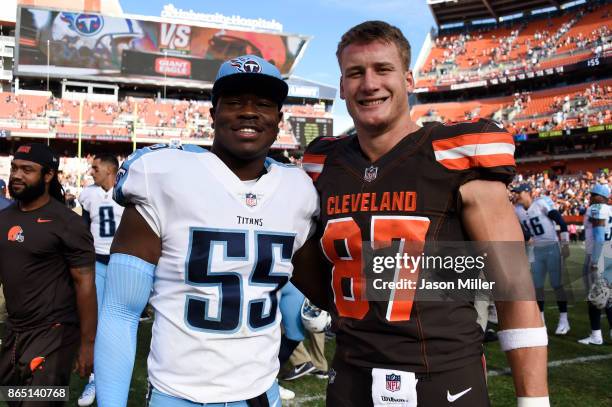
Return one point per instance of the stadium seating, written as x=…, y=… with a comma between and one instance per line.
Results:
x=539, y=44
x=573, y=106
x=568, y=191
x=150, y=119
x=307, y=110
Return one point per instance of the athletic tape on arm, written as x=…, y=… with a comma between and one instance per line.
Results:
x=510, y=339
x=533, y=402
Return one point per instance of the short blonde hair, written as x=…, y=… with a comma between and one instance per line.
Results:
x=370, y=31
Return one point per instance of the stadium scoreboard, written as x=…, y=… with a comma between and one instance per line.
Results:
x=91, y=46
x=307, y=129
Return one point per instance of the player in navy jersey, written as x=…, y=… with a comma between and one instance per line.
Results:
x=211, y=234
x=392, y=186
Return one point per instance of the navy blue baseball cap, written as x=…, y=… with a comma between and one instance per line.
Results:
x=249, y=72
x=522, y=188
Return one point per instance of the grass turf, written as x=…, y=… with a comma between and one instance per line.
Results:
x=572, y=385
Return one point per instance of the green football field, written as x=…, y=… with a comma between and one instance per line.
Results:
x=579, y=375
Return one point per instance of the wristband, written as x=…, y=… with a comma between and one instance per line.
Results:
x=532, y=402
x=510, y=339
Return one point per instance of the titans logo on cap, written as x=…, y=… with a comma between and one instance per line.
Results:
x=246, y=65
x=250, y=72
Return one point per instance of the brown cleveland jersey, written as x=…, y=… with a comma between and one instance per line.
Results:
x=411, y=194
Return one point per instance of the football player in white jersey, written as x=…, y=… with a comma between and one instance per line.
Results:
x=100, y=211
x=213, y=234
x=103, y=216
x=598, y=233
x=539, y=217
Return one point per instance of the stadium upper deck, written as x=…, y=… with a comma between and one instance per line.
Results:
x=568, y=107
x=539, y=67
x=525, y=46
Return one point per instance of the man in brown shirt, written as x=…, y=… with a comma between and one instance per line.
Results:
x=47, y=269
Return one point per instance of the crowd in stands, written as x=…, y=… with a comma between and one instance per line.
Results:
x=585, y=107
x=524, y=46
x=562, y=108
x=144, y=118
x=570, y=193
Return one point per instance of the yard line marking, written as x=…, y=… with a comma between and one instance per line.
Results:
x=557, y=363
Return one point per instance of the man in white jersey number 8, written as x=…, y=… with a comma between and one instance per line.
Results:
x=213, y=234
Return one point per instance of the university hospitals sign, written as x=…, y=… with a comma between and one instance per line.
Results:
x=170, y=11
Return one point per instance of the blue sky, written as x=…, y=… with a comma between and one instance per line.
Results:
x=324, y=20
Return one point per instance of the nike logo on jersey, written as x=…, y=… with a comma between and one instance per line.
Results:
x=40, y=220
x=453, y=397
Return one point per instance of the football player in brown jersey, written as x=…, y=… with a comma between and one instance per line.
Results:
x=392, y=185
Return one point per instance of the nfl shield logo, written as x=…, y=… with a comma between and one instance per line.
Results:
x=370, y=174
x=251, y=199
x=394, y=382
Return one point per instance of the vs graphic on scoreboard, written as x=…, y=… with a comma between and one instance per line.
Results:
x=175, y=38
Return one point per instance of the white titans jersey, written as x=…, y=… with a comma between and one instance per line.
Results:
x=599, y=212
x=226, y=251
x=536, y=220
x=105, y=215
